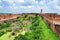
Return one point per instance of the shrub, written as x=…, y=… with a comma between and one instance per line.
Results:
x=1, y=33
x=20, y=37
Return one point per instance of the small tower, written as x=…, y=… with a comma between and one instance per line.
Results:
x=41, y=11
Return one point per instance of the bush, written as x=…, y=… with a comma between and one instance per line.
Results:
x=1, y=33
x=20, y=37
x=5, y=24
x=8, y=30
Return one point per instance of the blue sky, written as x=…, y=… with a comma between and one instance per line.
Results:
x=21, y=6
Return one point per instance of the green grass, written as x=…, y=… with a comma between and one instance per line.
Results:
x=6, y=36
x=47, y=33
x=8, y=28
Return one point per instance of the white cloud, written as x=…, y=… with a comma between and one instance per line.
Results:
x=20, y=1
x=41, y=2
x=29, y=6
x=32, y=2
x=17, y=2
x=9, y=1
x=36, y=2
x=0, y=6
x=25, y=7
x=58, y=7
x=53, y=2
x=32, y=5
x=0, y=0
x=20, y=7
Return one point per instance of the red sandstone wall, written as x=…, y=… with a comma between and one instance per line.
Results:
x=6, y=16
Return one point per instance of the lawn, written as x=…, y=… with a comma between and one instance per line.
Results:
x=47, y=33
x=6, y=36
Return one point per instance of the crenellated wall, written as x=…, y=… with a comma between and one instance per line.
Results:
x=53, y=20
x=6, y=16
